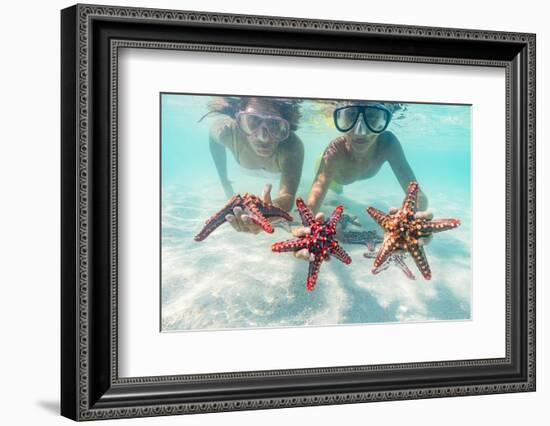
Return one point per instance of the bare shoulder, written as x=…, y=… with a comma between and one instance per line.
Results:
x=389, y=144
x=290, y=152
x=222, y=130
x=389, y=138
x=292, y=146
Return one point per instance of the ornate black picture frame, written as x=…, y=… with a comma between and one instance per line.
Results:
x=90, y=385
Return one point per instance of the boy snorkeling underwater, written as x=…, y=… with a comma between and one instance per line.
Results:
x=358, y=154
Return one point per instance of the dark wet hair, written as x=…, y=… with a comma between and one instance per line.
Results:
x=327, y=106
x=392, y=106
x=230, y=105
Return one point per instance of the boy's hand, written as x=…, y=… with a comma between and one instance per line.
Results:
x=302, y=231
x=427, y=215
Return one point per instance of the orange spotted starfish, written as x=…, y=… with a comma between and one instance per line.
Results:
x=403, y=230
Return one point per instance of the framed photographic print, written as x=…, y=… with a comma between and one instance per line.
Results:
x=263, y=212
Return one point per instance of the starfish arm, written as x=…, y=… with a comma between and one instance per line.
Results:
x=258, y=218
x=419, y=257
x=409, y=203
x=269, y=210
x=339, y=253
x=289, y=245
x=313, y=273
x=319, y=241
x=381, y=268
x=305, y=212
x=335, y=216
x=218, y=219
x=403, y=231
x=346, y=238
x=384, y=253
x=379, y=216
x=373, y=240
x=399, y=261
x=354, y=237
x=440, y=225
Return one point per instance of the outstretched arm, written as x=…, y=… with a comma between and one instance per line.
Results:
x=291, y=161
x=321, y=183
x=217, y=140
x=401, y=167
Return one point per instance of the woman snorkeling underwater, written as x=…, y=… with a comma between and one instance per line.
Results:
x=260, y=134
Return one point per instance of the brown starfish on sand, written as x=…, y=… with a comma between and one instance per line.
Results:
x=403, y=230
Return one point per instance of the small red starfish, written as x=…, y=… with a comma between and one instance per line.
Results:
x=319, y=242
x=402, y=231
x=260, y=212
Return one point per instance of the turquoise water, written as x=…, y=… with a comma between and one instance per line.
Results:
x=233, y=280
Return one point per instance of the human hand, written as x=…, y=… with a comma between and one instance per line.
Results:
x=241, y=219
x=302, y=231
x=424, y=215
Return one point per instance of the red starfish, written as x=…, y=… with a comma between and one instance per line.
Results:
x=319, y=242
x=402, y=231
x=260, y=212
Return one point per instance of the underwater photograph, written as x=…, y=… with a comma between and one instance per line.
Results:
x=293, y=212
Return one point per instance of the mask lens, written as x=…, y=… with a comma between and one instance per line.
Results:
x=249, y=123
x=345, y=118
x=377, y=119
x=278, y=127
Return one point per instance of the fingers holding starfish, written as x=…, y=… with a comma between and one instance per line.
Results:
x=242, y=221
x=266, y=193
x=424, y=215
x=247, y=213
x=251, y=218
x=408, y=230
x=440, y=225
x=314, y=241
x=302, y=231
x=425, y=236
